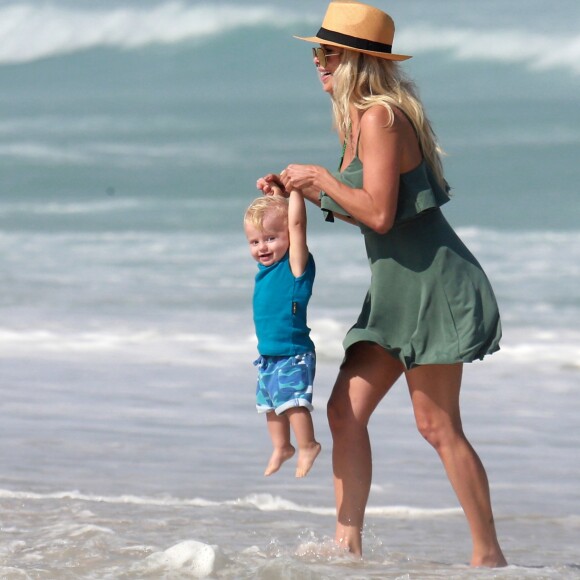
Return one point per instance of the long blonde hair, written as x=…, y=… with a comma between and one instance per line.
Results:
x=363, y=81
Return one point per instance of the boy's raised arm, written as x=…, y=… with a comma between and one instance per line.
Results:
x=297, y=233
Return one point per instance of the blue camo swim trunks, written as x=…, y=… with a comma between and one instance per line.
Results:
x=285, y=382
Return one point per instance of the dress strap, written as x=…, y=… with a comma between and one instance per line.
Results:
x=344, y=143
x=357, y=143
x=328, y=215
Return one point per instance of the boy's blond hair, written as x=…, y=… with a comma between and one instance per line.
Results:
x=265, y=204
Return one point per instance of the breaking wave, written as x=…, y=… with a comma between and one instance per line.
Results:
x=30, y=32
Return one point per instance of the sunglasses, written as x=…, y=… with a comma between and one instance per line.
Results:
x=322, y=56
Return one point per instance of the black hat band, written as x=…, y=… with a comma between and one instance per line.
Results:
x=353, y=41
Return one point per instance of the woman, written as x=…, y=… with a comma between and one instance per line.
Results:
x=430, y=307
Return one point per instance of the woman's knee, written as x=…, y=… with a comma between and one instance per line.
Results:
x=434, y=393
x=439, y=432
x=337, y=411
x=428, y=431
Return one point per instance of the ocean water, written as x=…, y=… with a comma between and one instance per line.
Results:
x=131, y=137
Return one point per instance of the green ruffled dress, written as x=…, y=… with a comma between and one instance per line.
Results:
x=429, y=300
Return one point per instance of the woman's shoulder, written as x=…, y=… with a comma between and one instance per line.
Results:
x=377, y=115
x=382, y=124
x=390, y=126
x=384, y=116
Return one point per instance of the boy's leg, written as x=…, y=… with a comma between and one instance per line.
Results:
x=308, y=448
x=279, y=430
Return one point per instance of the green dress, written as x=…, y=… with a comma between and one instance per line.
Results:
x=429, y=300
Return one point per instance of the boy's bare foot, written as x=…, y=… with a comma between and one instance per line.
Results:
x=278, y=457
x=306, y=459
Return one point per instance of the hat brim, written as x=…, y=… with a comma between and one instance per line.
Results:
x=385, y=55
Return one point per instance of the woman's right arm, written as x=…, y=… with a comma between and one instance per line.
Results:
x=380, y=150
x=271, y=184
x=268, y=183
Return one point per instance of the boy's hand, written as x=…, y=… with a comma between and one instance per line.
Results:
x=271, y=184
x=276, y=190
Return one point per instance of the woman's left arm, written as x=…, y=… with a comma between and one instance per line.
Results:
x=380, y=146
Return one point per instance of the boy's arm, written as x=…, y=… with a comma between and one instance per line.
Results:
x=297, y=233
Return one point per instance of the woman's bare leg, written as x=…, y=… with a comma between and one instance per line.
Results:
x=279, y=430
x=364, y=379
x=434, y=392
x=303, y=428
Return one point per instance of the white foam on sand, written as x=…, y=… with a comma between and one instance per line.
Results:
x=264, y=502
x=195, y=558
x=120, y=499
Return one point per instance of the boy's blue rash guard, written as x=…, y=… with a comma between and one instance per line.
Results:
x=280, y=302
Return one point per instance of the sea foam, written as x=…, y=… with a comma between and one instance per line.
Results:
x=29, y=32
x=263, y=502
x=195, y=558
x=536, y=51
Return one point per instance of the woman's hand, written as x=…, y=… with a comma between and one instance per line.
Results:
x=271, y=184
x=301, y=177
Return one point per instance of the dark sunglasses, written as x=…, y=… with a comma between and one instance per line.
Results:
x=322, y=56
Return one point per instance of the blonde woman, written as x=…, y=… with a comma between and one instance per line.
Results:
x=430, y=307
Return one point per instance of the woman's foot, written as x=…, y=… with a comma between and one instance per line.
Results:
x=491, y=560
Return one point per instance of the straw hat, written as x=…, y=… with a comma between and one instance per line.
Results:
x=359, y=27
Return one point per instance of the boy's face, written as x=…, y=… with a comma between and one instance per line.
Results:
x=268, y=245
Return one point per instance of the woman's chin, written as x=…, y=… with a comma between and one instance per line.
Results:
x=326, y=81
